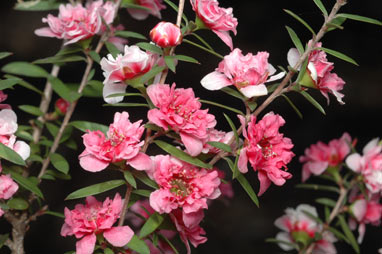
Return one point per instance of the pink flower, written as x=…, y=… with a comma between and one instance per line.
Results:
x=295, y=223
x=219, y=20
x=8, y=122
x=166, y=34
x=267, y=150
x=75, y=23
x=3, y=97
x=320, y=156
x=247, y=72
x=134, y=62
x=62, y=106
x=369, y=165
x=154, y=6
x=182, y=185
x=122, y=143
x=117, y=41
x=180, y=110
x=86, y=221
x=7, y=187
x=20, y=147
x=216, y=136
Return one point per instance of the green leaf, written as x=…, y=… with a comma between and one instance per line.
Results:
x=95, y=189
x=169, y=243
x=252, y=105
x=321, y=6
x=129, y=34
x=292, y=105
x=10, y=155
x=8, y=83
x=349, y=235
x=151, y=74
x=25, y=84
x=113, y=50
x=18, y=204
x=233, y=93
x=95, y=56
x=53, y=129
x=5, y=54
x=296, y=41
x=313, y=101
x=62, y=90
x=318, y=187
x=108, y=251
x=124, y=94
x=274, y=240
x=221, y=146
x=169, y=60
x=54, y=174
x=201, y=39
x=85, y=125
x=141, y=176
x=31, y=110
x=128, y=4
x=181, y=155
x=222, y=106
x=130, y=178
x=338, y=55
x=338, y=234
x=302, y=70
x=312, y=216
x=37, y=5
x=57, y=59
x=300, y=20
x=59, y=162
x=336, y=23
x=25, y=69
x=3, y=239
x=138, y=245
x=143, y=193
x=186, y=59
x=248, y=188
x=232, y=125
x=326, y=201
x=150, y=47
x=360, y=18
x=233, y=166
x=127, y=104
x=152, y=223
x=26, y=183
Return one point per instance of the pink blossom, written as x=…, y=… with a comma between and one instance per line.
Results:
x=154, y=7
x=3, y=97
x=247, y=72
x=7, y=187
x=225, y=188
x=267, y=150
x=320, y=156
x=219, y=20
x=216, y=136
x=117, y=41
x=133, y=63
x=182, y=185
x=296, y=223
x=180, y=110
x=75, y=23
x=369, y=165
x=121, y=144
x=8, y=122
x=86, y=221
x=166, y=34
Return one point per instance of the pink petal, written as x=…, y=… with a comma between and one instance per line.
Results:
x=353, y=161
x=293, y=57
x=91, y=163
x=113, y=88
x=225, y=37
x=264, y=182
x=242, y=164
x=193, y=145
x=359, y=209
x=45, y=31
x=22, y=149
x=252, y=91
x=86, y=244
x=361, y=232
x=119, y=236
x=141, y=162
x=215, y=81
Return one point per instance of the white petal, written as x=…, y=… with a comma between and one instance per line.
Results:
x=276, y=77
x=22, y=149
x=271, y=69
x=252, y=91
x=313, y=71
x=215, y=81
x=113, y=88
x=283, y=236
x=353, y=161
x=293, y=56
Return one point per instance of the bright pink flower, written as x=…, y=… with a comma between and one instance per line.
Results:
x=122, y=143
x=267, y=150
x=62, y=106
x=216, y=136
x=369, y=165
x=225, y=188
x=8, y=122
x=247, y=72
x=182, y=185
x=320, y=156
x=86, y=221
x=180, y=110
x=75, y=23
x=295, y=223
x=3, y=97
x=154, y=6
x=166, y=34
x=134, y=62
x=219, y=20
x=7, y=187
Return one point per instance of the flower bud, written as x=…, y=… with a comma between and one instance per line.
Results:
x=166, y=34
x=62, y=106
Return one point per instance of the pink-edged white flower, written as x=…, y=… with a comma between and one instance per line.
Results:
x=7, y=187
x=296, y=225
x=219, y=20
x=166, y=34
x=133, y=63
x=215, y=135
x=319, y=71
x=369, y=165
x=75, y=22
x=86, y=221
x=320, y=156
x=154, y=7
x=122, y=143
x=180, y=110
x=247, y=72
x=8, y=122
x=182, y=185
x=267, y=150
x=20, y=147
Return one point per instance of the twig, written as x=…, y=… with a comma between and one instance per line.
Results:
x=125, y=205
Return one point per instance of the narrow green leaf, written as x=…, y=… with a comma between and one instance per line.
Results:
x=124, y=94
x=58, y=175
x=62, y=90
x=25, y=69
x=203, y=48
x=302, y=70
x=312, y=216
x=252, y=105
x=336, y=23
x=349, y=235
x=26, y=183
x=181, y=155
x=113, y=50
x=150, y=47
x=313, y=102
x=18, y=204
x=318, y=187
x=138, y=245
x=95, y=189
x=300, y=20
x=59, y=162
x=128, y=4
x=248, y=188
x=129, y=34
x=151, y=224
x=169, y=60
x=127, y=104
x=143, y=193
x=274, y=240
x=37, y=5
x=85, y=125
x=10, y=155
x=151, y=74
x=5, y=54
x=31, y=110
x=327, y=214
x=3, y=239
x=108, y=251
x=233, y=166
x=130, y=178
x=186, y=59
x=232, y=125
x=360, y=18
x=221, y=146
x=222, y=106
x=296, y=41
x=8, y=83
x=95, y=56
x=141, y=176
x=233, y=93
x=338, y=234
x=338, y=55
x=25, y=84
x=326, y=201
x=57, y=59
x=202, y=41
x=321, y=6
x=292, y=105
x=169, y=243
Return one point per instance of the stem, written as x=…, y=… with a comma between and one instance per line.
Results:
x=203, y=48
x=125, y=205
x=19, y=228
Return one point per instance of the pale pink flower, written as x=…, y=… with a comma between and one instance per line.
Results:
x=133, y=63
x=296, y=221
x=86, y=221
x=166, y=34
x=182, y=185
x=122, y=143
x=369, y=165
x=215, y=135
x=219, y=20
x=247, y=72
x=8, y=122
x=7, y=187
x=267, y=150
x=154, y=6
x=75, y=23
x=320, y=156
x=180, y=110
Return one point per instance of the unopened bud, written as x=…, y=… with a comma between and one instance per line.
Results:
x=166, y=34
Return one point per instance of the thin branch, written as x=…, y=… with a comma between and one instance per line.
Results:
x=125, y=205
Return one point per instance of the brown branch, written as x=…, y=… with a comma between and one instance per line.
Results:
x=125, y=204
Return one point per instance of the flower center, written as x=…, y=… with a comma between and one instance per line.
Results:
x=266, y=148
x=180, y=186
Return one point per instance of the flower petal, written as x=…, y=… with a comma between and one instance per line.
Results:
x=225, y=37
x=353, y=161
x=215, y=81
x=91, y=163
x=113, y=88
x=293, y=56
x=193, y=145
x=86, y=244
x=119, y=236
x=22, y=149
x=252, y=91
x=141, y=162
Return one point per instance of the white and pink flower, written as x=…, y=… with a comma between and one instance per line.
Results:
x=166, y=34
x=153, y=7
x=267, y=150
x=7, y=187
x=248, y=73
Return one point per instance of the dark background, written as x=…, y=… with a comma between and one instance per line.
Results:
x=240, y=227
